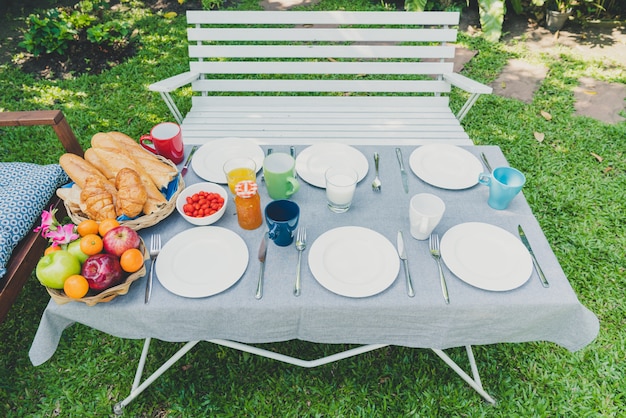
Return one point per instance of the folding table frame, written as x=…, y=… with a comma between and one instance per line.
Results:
x=138, y=386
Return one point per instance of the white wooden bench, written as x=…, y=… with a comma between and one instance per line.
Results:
x=289, y=77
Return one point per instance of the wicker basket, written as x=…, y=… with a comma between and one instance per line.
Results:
x=144, y=221
x=59, y=296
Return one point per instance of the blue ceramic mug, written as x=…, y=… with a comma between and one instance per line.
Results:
x=282, y=220
x=504, y=184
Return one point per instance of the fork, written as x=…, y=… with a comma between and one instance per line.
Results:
x=155, y=249
x=300, y=246
x=376, y=184
x=433, y=243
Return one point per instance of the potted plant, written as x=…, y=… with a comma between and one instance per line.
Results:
x=558, y=13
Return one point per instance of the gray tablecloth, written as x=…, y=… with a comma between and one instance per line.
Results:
x=474, y=316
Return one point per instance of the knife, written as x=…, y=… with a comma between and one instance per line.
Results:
x=184, y=170
x=262, y=254
x=542, y=277
x=485, y=161
x=405, y=181
x=405, y=262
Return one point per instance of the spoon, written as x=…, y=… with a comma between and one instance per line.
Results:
x=376, y=184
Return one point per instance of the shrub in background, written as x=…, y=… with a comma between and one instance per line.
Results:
x=56, y=29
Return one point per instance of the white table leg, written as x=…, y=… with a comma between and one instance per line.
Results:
x=475, y=383
x=136, y=390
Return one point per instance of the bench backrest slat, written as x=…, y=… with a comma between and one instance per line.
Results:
x=321, y=35
x=366, y=86
x=363, y=68
x=323, y=18
x=320, y=51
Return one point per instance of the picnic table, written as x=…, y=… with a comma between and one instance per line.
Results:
x=236, y=319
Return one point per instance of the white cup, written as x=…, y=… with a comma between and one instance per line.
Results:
x=340, y=188
x=425, y=212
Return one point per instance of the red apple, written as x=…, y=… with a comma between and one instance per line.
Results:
x=120, y=239
x=102, y=271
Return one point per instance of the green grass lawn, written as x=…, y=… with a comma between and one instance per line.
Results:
x=578, y=198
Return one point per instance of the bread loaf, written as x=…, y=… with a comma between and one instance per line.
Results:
x=131, y=193
x=160, y=173
x=78, y=169
x=117, y=162
x=97, y=203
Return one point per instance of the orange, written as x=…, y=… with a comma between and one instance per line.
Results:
x=76, y=286
x=91, y=244
x=131, y=260
x=87, y=227
x=106, y=225
x=52, y=249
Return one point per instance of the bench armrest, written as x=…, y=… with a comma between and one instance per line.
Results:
x=467, y=84
x=164, y=87
x=172, y=83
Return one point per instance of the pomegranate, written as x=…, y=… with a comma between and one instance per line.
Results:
x=102, y=271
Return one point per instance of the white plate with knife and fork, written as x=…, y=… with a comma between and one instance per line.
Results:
x=354, y=261
x=486, y=256
x=202, y=261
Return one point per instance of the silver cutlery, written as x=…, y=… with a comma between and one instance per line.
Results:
x=376, y=184
x=262, y=254
x=155, y=249
x=405, y=262
x=542, y=277
x=485, y=161
x=405, y=181
x=433, y=243
x=186, y=166
x=300, y=246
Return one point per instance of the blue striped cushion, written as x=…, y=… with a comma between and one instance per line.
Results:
x=25, y=189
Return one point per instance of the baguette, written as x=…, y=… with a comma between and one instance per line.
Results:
x=79, y=169
x=93, y=158
x=116, y=162
x=160, y=173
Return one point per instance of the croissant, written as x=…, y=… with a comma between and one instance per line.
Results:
x=97, y=201
x=131, y=193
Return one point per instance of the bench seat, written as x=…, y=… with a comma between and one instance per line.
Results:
x=300, y=77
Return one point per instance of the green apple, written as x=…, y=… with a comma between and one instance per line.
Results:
x=74, y=249
x=54, y=268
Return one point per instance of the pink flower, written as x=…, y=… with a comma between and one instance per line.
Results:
x=62, y=235
x=48, y=222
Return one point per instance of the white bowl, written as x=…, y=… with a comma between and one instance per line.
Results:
x=195, y=188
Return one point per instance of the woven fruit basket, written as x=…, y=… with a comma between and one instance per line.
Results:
x=107, y=295
x=144, y=221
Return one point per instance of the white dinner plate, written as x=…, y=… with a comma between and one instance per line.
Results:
x=486, y=256
x=354, y=261
x=312, y=162
x=445, y=166
x=208, y=161
x=202, y=261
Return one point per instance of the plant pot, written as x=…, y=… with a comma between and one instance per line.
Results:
x=555, y=20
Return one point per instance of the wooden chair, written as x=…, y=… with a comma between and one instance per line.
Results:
x=26, y=255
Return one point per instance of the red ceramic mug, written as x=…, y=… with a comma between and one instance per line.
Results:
x=167, y=141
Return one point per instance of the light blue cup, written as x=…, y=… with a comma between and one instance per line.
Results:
x=504, y=184
x=282, y=220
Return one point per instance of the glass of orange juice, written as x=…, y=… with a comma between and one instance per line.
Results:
x=239, y=169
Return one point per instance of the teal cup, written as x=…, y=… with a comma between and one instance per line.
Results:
x=282, y=220
x=504, y=184
x=279, y=171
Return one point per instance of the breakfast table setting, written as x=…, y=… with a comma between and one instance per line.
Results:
x=358, y=275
